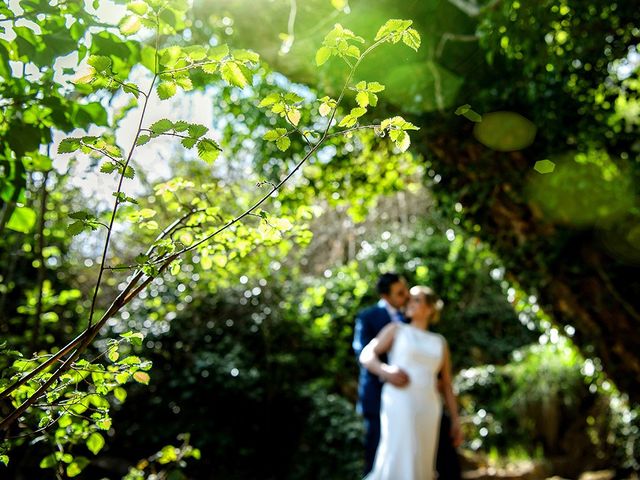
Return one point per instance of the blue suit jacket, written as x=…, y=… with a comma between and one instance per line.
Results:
x=369, y=322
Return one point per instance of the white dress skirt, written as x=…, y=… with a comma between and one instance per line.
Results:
x=410, y=416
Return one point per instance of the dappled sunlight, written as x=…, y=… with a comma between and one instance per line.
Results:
x=583, y=189
x=505, y=131
x=202, y=203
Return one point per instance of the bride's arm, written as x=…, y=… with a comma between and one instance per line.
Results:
x=450, y=397
x=370, y=357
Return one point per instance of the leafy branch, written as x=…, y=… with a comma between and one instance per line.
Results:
x=339, y=42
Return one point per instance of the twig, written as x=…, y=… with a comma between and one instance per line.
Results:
x=117, y=203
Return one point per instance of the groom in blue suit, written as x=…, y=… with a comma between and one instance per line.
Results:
x=394, y=295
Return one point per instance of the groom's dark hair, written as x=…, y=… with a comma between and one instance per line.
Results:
x=385, y=281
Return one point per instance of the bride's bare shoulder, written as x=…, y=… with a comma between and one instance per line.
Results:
x=389, y=329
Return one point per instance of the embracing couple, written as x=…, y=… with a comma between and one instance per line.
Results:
x=405, y=372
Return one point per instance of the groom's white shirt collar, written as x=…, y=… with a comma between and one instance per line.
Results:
x=392, y=311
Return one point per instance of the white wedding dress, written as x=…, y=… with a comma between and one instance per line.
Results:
x=410, y=416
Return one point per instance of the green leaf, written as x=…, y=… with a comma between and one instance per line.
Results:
x=65, y=421
x=352, y=51
x=325, y=109
x=104, y=423
x=134, y=338
x=123, y=198
x=142, y=139
x=113, y=150
x=375, y=87
x=148, y=57
x=120, y=393
x=4, y=459
x=283, y=143
x=22, y=219
x=130, y=25
x=358, y=112
x=293, y=116
x=166, y=90
x=168, y=454
x=100, y=63
x=113, y=354
x=69, y=145
x=97, y=401
x=269, y=100
x=108, y=167
x=196, y=52
x=292, y=98
x=142, y=258
x=245, y=56
x=461, y=110
x=81, y=215
x=232, y=74
x=273, y=135
x=129, y=172
x=467, y=112
x=208, y=150
x=76, y=228
x=473, y=116
x=49, y=461
x=142, y=377
x=196, y=130
x=189, y=142
x=75, y=468
x=161, y=126
x=348, y=121
x=44, y=421
x=218, y=52
x=85, y=76
x=397, y=123
x=402, y=140
x=95, y=442
x=210, y=68
x=175, y=267
x=411, y=38
x=180, y=126
x=362, y=99
x=138, y=7
x=184, y=83
x=393, y=27
x=322, y=55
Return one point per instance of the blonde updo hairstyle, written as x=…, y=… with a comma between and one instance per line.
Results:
x=431, y=298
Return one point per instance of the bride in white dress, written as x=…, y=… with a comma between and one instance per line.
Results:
x=411, y=402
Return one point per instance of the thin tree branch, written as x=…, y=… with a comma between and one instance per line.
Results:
x=112, y=310
x=117, y=202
